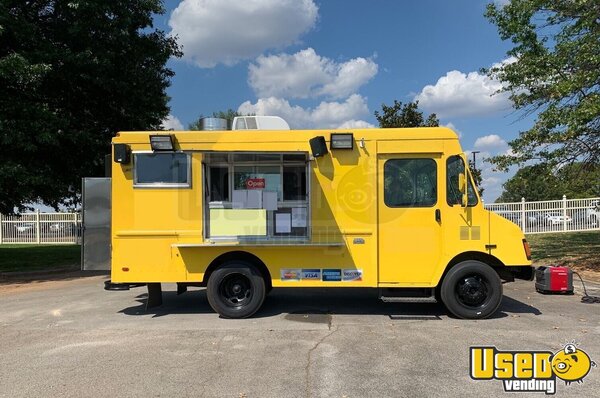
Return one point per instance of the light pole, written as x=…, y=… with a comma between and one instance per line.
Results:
x=475, y=158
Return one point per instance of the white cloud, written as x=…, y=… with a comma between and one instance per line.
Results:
x=325, y=115
x=490, y=142
x=227, y=31
x=172, y=123
x=492, y=180
x=307, y=74
x=452, y=127
x=465, y=94
x=356, y=124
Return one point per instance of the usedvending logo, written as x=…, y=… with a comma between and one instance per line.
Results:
x=352, y=275
x=530, y=371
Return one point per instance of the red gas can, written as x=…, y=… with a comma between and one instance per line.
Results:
x=553, y=279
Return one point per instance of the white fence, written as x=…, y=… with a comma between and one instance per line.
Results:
x=533, y=217
x=552, y=215
x=40, y=228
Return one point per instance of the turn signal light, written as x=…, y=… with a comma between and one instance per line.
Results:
x=527, y=249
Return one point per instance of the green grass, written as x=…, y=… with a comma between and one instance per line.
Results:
x=577, y=249
x=39, y=257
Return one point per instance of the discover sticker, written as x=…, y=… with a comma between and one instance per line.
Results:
x=352, y=275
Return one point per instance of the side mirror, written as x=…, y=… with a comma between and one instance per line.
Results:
x=462, y=188
x=462, y=183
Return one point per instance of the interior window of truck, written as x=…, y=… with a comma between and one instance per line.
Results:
x=294, y=182
x=219, y=183
x=454, y=166
x=162, y=169
x=410, y=182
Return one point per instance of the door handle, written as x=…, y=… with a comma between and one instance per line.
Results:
x=438, y=215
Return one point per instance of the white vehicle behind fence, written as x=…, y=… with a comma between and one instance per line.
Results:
x=556, y=218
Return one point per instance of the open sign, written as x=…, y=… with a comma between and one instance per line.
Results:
x=255, y=183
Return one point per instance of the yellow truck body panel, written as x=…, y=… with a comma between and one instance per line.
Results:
x=354, y=229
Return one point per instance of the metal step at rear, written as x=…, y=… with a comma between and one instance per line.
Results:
x=407, y=295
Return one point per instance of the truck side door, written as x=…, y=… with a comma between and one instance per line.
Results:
x=410, y=232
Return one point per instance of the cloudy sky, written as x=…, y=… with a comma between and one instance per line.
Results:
x=330, y=64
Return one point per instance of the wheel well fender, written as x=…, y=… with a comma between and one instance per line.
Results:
x=240, y=256
x=485, y=258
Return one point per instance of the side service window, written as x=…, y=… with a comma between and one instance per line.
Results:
x=454, y=166
x=162, y=169
x=410, y=183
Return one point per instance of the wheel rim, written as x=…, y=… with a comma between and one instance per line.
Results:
x=236, y=290
x=473, y=291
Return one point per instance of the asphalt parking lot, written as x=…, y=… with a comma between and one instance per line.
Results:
x=71, y=338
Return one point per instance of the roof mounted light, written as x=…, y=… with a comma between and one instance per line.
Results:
x=161, y=142
x=342, y=141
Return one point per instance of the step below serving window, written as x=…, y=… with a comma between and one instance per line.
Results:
x=256, y=195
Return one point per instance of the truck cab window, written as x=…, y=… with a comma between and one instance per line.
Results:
x=410, y=183
x=454, y=166
x=162, y=169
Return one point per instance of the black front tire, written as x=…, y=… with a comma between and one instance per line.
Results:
x=472, y=290
x=236, y=290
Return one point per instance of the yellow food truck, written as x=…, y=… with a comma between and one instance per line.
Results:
x=241, y=212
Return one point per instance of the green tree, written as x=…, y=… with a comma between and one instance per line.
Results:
x=580, y=180
x=229, y=114
x=543, y=182
x=404, y=115
x=537, y=182
x=556, y=74
x=72, y=74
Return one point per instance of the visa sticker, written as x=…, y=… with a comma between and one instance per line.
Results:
x=354, y=275
x=311, y=274
x=290, y=274
x=332, y=275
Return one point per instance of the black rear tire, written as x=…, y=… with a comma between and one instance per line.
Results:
x=236, y=290
x=472, y=290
